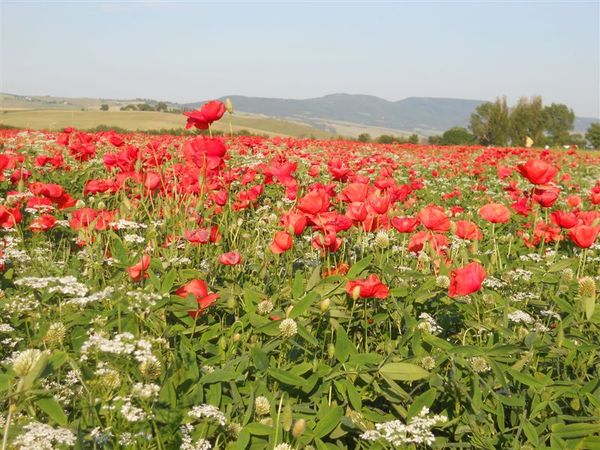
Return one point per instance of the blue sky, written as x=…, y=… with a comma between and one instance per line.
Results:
x=188, y=51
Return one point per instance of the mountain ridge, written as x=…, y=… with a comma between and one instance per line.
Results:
x=423, y=115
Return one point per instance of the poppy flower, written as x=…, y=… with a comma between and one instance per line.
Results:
x=198, y=289
x=140, y=269
x=405, y=224
x=314, y=202
x=434, y=218
x=466, y=280
x=42, y=223
x=495, y=213
x=546, y=196
x=282, y=242
x=9, y=217
x=203, y=117
x=367, y=288
x=564, y=219
x=294, y=223
x=583, y=236
x=230, y=258
x=465, y=229
x=537, y=171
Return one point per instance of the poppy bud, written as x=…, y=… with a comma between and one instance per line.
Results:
x=237, y=337
x=331, y=350
x=229, y=106
x=324, y=305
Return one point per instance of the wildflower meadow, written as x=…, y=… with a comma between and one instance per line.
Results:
x=197, y=292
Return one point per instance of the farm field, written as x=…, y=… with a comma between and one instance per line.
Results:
x=163, y=292
x=57, y=119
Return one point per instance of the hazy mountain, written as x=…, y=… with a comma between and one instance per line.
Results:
x=421, y=114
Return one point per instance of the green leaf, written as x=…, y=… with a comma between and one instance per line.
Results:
x=426, y=399
x=361, y=265
x=287, y=377
x=168, y=281
x=531, y=434
x=218, y=376
x=258, y=429
x=589, y=304
x=260, y=358
x=343, y=346
x=403, y=371
x=328, y=422
x=53, y=409
x=298, y=286
x=300, y=307
x=574, y=430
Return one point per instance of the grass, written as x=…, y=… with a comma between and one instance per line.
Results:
x=148, y=120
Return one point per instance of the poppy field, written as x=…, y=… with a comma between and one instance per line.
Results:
x=169, y=292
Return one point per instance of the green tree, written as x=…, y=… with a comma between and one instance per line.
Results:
x=527, y=120
x=386, y=139
x=457, y=136
x=413, y=138
x=437, y=139
x=161, y=106
x=490, y=123
x=593, y=135
x=364, y=137
x=558, y=122
x=104, y=107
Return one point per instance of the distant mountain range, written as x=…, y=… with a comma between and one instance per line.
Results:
x=424, y=115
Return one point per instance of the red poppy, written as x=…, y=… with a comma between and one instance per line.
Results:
x=282, y=242
x=434, y=218
x=465, y=229
x=139, y=270
x=537, y=171
x=203, y=117
x=368, y=287
x=405, y=224
x=495, y=213
x=466, y=280
x=546, y=196
x=564, y=219
x=583, y=236
x=314, y=202
x=42, y=223
x=230, y=258
x=294, y=223
x=9, y=217
x=198, y=289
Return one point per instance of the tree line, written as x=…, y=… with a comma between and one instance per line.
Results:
x=497, y=124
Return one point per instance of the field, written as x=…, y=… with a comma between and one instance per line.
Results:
x=57, y=119
x=164, y=292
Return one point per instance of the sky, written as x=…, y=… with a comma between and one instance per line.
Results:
x=188, y=51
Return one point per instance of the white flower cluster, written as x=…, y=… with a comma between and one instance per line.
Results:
x=123, y=224
x=39, y=436
x=120, y=344
x=186, y=440
x=428, y=324
x=65, y=285
x=519, y=316
x=134, y=239
x=92, y=298
x=493, y=283
x=417, y=431
x=145, y=391
x=6, y=328
x=209, y=412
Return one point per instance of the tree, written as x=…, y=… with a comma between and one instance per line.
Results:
x=593, y=135
x=364, y=137
x=413, y=138
x=490, y=123
x=161, y=106
x=527, y=120
x=435, y=140
x=457, y=136
x=104, y=107
x=558, y=122
x=385, y=139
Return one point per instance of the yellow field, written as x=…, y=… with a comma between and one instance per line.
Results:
x=149, y=120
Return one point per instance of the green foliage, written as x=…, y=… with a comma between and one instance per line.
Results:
x=490, y=123
x=104, y=107
x=457, y=136
x=364, y=137
x=558, y=122
x=593, y=135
